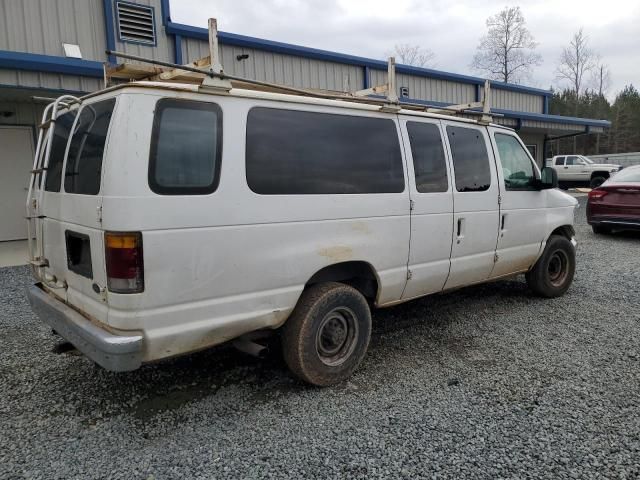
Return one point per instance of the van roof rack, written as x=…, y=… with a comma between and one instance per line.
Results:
x=208, y=73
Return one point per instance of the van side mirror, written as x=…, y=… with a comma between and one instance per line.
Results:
x=548, y=178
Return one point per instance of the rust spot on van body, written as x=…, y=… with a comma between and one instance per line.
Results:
x=361, y=227
x=337, y=254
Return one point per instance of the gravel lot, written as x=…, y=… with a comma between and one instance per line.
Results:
x=487, y=382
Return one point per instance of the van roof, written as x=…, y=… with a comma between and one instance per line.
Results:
x=373, y=105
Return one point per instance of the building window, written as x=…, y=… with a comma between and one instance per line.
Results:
x=292, y=152
x=136, y=23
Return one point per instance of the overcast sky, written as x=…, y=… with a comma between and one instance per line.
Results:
x=451, y=30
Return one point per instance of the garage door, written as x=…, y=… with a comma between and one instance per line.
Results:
x=16, y=159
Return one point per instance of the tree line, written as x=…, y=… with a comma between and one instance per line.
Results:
x=623, y=113
x=507, y=53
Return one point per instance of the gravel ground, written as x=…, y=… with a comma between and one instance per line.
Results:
x=487, y=382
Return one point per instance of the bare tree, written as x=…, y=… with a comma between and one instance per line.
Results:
x=412, y=55
x=506, y=52
x=601, y=77
x=576, y=61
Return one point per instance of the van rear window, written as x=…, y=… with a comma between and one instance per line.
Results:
x=84, y=160
x=186, y=146
x=58, y=146
x=291, y=152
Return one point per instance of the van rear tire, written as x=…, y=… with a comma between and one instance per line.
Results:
x=327, y=335
x=553, y=273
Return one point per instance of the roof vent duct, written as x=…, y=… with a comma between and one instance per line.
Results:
x=136, y=23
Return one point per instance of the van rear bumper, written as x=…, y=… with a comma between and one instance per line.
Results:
x=118, y=353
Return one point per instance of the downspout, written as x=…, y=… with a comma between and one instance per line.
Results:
x=109, y=28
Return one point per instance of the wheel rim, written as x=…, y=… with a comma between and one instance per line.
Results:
x=336, y=337
x=557, y=269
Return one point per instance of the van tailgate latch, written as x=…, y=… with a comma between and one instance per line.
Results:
x=99, y=213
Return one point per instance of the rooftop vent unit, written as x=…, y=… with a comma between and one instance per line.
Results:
x=136, y=23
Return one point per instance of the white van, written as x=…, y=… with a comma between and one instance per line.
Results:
x=169, y=219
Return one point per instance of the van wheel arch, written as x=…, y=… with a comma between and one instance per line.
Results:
x=357, y=274
x=566, y=231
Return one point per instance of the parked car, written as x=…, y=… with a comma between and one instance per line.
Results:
x=578, y=169
x=616, y=203
x=171, y=218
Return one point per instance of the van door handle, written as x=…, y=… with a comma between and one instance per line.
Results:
x=504, y=216
x=460, y=230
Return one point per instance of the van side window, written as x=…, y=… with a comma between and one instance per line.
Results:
x=517, y=168
x=560, y=161
x=429, y=161
x=84, y=160
x=470, y=159
x=186, y=147
x=58, y=146
x=290, y=152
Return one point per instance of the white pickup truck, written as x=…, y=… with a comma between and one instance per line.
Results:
x=580, y=169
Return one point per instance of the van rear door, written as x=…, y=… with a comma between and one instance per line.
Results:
x=72, y=234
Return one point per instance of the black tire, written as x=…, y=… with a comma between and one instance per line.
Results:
x=600, y=230
x=597, y=181
x=553, y=273
x=327, y=335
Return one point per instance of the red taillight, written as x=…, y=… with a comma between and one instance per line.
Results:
x=597, y=194
x=125, y=269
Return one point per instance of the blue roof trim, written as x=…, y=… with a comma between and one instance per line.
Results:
x=539, y=117
x=50, y=63
x=59, y=91
x=290, y=49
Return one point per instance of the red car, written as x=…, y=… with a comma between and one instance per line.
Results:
x=616, y=203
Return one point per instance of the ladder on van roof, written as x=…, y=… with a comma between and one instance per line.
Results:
x=36, y=187
x=209, y=74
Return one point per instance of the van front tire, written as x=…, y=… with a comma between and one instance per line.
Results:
x=327, y=335
x=553, y=273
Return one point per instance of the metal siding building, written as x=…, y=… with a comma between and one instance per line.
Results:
x=33, y=63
